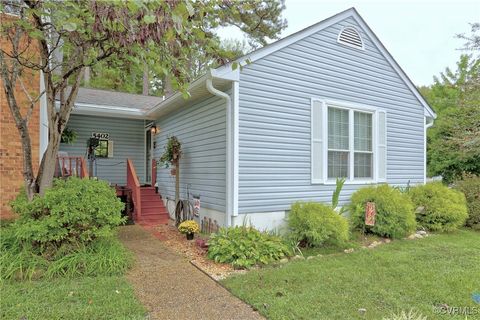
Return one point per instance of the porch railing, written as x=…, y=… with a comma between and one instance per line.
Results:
x=71, y=167
x=134, y=185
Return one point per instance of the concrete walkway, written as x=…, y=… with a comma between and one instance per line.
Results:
x=171, y=288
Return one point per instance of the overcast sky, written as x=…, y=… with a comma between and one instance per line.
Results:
x=419, y=34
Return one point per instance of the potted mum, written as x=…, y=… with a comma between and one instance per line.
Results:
x=189, y=228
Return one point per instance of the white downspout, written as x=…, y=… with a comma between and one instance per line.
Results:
x=428, y=124
x=229, y=175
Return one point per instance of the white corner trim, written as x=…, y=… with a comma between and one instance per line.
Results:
x=236, y=151
x=427, y=125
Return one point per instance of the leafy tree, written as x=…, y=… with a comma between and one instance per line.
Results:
x=128, y=77
x=472, y=40
x=161, y=34
x=454, y=140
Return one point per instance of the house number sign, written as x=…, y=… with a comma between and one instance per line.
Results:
x=100, y=135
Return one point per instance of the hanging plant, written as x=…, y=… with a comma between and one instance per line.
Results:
x=68, y=136
x=172, y=153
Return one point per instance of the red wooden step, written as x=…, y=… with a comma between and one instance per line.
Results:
x=150, y=197
x=147, y=190
x=152, y=204
x=153, y=210
x=154, y=222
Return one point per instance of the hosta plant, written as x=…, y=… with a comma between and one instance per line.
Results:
x=244, y=247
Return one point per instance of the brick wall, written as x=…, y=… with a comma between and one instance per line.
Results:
x=11, y=162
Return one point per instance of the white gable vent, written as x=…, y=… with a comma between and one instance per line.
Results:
x=350, y=37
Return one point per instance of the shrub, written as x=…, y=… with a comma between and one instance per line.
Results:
x=438, y=208
x=315, y=224
x=72, y=212
x=470, y=186
x=244, y=247
x=395, y=217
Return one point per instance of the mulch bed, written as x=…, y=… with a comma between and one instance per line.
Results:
x=192, y=249
x=196, y=252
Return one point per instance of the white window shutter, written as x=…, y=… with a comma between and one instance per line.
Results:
x=318, y=141
x=382, y=146
x=110, y=148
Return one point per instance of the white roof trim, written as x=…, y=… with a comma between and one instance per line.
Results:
x=227, y=75
x=428, y=110
x=176, y=96
x=106, y=111
x=80, y=105
x=282, y=43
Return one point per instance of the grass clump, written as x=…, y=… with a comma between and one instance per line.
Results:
x=105, y=256
x=395, y=217
x=316, y=224
x=244, y=247
x=438, y=208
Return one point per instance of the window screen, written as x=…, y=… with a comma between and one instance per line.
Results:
x=363, y=145
x=338, y=143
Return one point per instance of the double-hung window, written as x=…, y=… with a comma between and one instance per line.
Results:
x=347, y=142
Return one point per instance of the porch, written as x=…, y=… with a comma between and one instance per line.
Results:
x=143, y=202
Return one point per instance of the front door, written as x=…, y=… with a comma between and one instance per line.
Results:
x=148, y=156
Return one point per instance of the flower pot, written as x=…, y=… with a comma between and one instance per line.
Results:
x=173, y=171
x=189, y=236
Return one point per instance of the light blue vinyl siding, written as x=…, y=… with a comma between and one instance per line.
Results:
x=201, y=128
x=128, y=136
x=274, y=124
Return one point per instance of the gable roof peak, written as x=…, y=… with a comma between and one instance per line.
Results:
x=299, y=35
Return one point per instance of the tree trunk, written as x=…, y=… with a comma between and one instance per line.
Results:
x=86, y=77
x=167, y=87
x=46, y=171
x=56, y=125
x=21, y=123
x=31, y=186
x=146, y=83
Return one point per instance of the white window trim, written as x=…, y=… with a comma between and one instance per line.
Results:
x=352, y=107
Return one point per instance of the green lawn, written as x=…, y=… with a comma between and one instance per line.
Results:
x=79, y=298
x=402, y=275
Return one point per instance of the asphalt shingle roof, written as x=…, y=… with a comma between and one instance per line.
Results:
x=115, y=98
